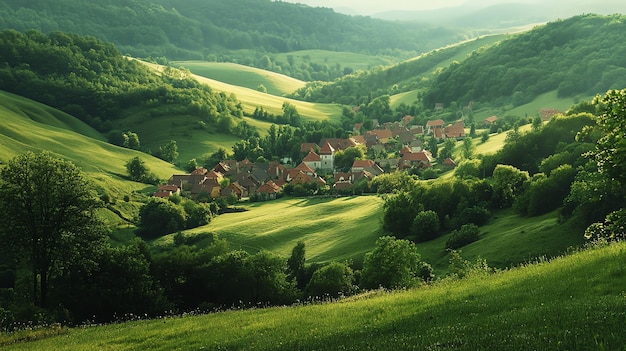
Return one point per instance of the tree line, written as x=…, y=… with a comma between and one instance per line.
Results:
x=94, y=82
x=62, y=267
x=201, y=28
x=563, y=165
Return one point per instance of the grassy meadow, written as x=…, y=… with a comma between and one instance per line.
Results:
x=30, y=126
x=336, y=229
x=252, y=98
x=243, y=76
x=575, y=302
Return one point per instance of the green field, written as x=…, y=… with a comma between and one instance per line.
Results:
x=251, y=99
x=572, y=303
x=30, y=126
x=332, y=229
x=243, y=76
x=333, y=58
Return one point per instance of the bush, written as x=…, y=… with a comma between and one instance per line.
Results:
x=425, y=226
x=466, y=235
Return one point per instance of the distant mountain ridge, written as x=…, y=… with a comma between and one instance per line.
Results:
x=505, y=15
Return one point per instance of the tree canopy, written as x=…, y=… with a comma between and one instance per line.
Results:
x=48, y=215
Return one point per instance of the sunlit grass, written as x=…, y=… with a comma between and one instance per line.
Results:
x=332, y=229
x=572, y=303
x=243, y=76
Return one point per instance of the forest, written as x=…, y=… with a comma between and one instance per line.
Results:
x=514, y=71
x=206, y=30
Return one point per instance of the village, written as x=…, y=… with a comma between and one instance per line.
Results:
x=268, y=180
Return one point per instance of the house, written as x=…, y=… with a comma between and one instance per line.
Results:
x=313, y=160
x=421, y=159
x=359, y=139
x=185, y=181
x=432, y=127
x=306, y=147
x=165, y=191
x=209, y=186
x=337, y=143
x=236, y=189
x=222, y=168
x=449, y=162
x=491, y=120
x=276, y=170
x=343, y=177
x=406, y=120
x=269, y=190
x=417, y=129
x=368, y=166
x=327, y=157
x=382, y=135
x=357, y=127
x=455, y=130
x=390, y=164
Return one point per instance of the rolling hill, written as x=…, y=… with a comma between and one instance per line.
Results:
x=574, y=302
x=31, y=126
x=342, y=229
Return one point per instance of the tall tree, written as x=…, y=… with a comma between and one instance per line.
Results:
x=47, y=210
x=611, y=148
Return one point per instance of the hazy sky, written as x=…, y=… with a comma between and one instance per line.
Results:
x=367, y=7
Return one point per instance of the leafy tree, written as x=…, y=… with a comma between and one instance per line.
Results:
x=191, y=165
x=334, y=279
x=168, y=152
x=393, y=264
x=468, y=169
x=295, y=264
x=468, y=148
x=268, y=279
x=610, y=152
x=467, y=234
x=48, y=215
x=399, y=211
x=345, y=158
x=448, y=148
x=425, y=226
x=507, y=184
x=159, y=217
x=290, y=114
x=137, y=169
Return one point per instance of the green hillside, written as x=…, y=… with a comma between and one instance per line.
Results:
x=332, y=229
x=572, y=303
x=577, y=56
x=31, y=126
x=252, y=98
x=243, y=76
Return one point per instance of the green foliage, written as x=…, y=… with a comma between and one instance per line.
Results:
x=92, y=81
x=159, y=217
x=47, y=209
x=468, y=169
x=581, y=44
x=467, y=234
x=425, y=226
x=169, y=151
x=545, y=194
x=507, y=183
x=461, y=268
x=399, y=212
x=345, y=158
x=393, y=264
x=295, y=265
x=138, y=171
x=613, y=227
x=611, y=148
x=333, y=280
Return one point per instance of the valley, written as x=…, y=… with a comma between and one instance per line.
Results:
x=324, y=182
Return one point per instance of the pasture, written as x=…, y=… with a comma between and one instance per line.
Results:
x=574, y=302
x=333, y=229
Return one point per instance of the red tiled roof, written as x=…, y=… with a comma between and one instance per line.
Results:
x=363, y=163
x=306, y=147
x=326, y=149
x=304, y=168
x=312, y=157
x=434, y=123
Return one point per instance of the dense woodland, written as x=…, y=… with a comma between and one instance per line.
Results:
x=206, y=29
x=515, y=71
